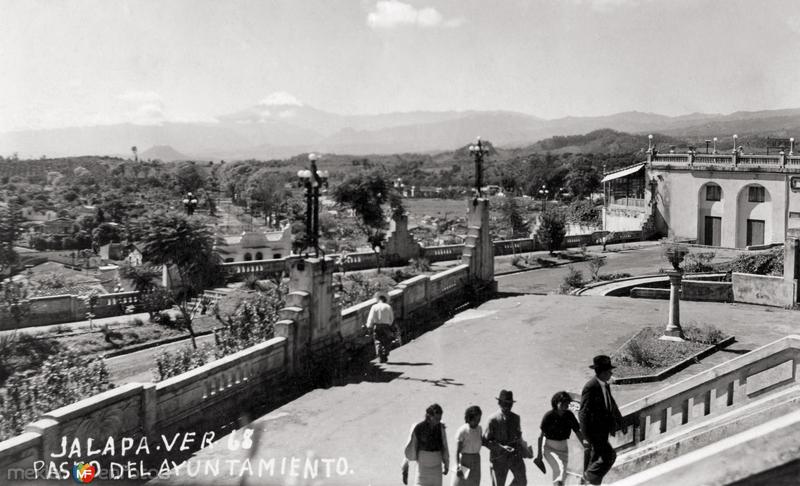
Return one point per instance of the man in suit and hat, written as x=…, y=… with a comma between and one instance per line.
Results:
x=380, y=322
x=599, y=417
x=503, y=437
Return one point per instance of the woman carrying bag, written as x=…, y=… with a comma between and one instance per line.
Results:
x=427, y=445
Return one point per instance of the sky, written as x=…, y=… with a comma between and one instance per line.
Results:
x=94, y=62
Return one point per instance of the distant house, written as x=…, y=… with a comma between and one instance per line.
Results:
x=59, y=226
x=30, y=214
x=122, y=252
x=254, y=245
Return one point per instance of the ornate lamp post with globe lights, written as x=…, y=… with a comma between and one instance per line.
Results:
x=478, y=151
x=544, y=192
x=312, y=180
x=190, y=203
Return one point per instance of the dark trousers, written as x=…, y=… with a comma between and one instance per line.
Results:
x=501, y=467
x=601, y=458
x=383, y=336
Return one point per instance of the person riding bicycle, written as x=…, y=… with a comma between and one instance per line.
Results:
x=380, y=323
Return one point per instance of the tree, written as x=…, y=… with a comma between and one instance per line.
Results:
x=14, y=301
x=366, y=194
x=9, y=230
x=266, y=192
x=103, y=234
x=141, y=277
x=189, y=177
x=135, y=153
x=582, y=179
x=513, y=218
x=552, y=230
x=186, y=245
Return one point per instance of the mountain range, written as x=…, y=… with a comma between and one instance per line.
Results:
x=270, y=131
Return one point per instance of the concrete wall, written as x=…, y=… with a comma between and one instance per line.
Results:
x=763, y=290
x=706, y=291
x=619, y=219
x=68, y=308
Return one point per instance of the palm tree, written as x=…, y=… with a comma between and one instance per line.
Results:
x=186, y=245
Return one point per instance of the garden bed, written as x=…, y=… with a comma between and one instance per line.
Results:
x=646, y=358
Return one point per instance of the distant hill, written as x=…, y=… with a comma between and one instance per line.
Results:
x=601, y=141
x=269, y=131
x=164, y=153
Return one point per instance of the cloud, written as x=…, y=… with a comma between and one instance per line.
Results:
x=140, y=97
x=794, y=24
x=389, y=14
x=280, y=98
x=143, y=107
x=607, y=5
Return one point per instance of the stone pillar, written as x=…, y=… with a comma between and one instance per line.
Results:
x=673, y=330
x=478, y=247
x=400, y=246
x=311, y=294
x=791, y=260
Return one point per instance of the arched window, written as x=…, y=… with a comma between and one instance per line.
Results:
x=259, y=255
x=248, y=257
x=277, y=256
x=229, y=260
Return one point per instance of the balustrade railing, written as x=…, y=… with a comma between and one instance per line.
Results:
x=717, y=390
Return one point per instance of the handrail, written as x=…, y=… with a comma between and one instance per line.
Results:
x=709, y=392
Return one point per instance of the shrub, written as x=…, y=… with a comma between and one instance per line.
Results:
x=699, y=262
x=62, y=380
x=357, y=288
x=613, y=276
x=169, y=364
x=762, y=263
x=573, y=278
x=595, y=264
x=138, y=322
x=706, y=334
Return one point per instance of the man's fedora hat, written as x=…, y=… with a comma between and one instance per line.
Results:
x=506, y=396
x=602, y=363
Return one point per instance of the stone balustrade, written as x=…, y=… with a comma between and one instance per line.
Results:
x=776, y=163
x=210, y=395
x=712, y=392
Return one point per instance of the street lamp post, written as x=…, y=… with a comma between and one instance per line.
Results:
x=312, y=180
x=734, y=143
x=791, y=146
x=544, y=192
x=707, y=142
x=715, y=145
x=650, y=144
x=478, y=151
x=190, y=203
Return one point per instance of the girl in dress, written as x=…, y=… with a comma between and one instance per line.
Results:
x=468, y=458
x=427, y=445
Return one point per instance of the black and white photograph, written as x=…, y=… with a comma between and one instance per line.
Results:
x=400, y=242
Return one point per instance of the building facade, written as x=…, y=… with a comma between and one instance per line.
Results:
x=729, y=200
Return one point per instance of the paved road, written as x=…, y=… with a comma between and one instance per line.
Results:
x=138, y=367
x=643, y=259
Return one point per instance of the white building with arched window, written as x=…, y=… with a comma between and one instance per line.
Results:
x=729, y=200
